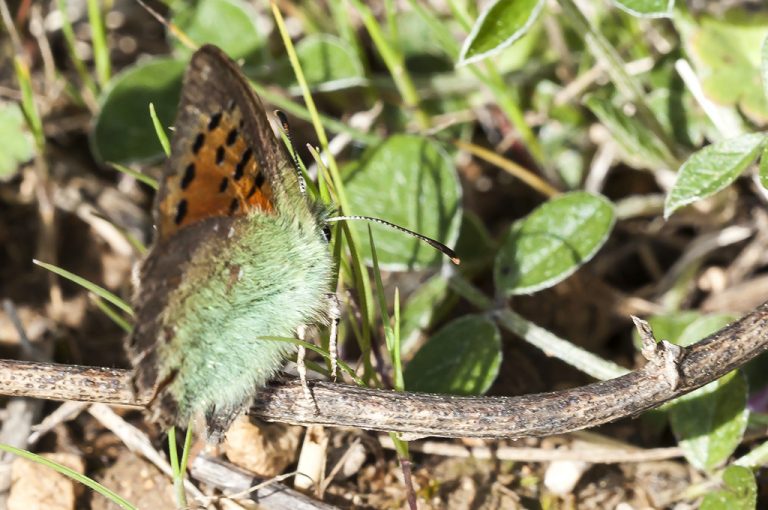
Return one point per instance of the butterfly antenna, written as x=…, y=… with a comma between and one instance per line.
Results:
x=287, y=130
x=435, y=244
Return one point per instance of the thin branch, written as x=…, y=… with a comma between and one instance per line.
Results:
x=594, y=455
x=439, y=415
x=233, y=479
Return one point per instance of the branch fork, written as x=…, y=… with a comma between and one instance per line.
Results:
x=663, y=357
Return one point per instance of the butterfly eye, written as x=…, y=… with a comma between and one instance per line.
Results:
x=327, y=233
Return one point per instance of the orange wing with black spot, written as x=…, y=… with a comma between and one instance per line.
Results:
x=225, y=159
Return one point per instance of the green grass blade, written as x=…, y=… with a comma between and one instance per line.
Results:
x=364, y=286
x=395, y=64
x=99, y=291
x=161, y=136
x=149, y=181
x=312, y=347
x=112, y=314
x=70, y=473
x=28, y=104
x=100, y=46
x=69, y=39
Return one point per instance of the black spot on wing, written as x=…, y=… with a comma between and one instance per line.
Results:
x=214, y=122
x=233, y=205
x=181, y=211
x=223, y=185
x=232, y=136
x=199, y=140
x=189, y=176
x=220, y=155
x=244, y=159
x=253, y=189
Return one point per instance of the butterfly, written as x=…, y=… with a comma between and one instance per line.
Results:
x=239, y=254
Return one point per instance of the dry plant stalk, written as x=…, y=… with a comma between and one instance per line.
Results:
x=439, y=415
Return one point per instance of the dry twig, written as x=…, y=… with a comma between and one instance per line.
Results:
x=437, y=415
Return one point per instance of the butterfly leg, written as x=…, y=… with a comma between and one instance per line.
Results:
x=334, y=314
x=301, y=367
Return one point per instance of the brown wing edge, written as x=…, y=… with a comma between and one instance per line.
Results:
x=160, y=273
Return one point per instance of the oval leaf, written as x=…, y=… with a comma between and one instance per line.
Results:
x=646, y=8
x=708, y=439
x=726, y=52
x=18, y=144
x=124, y=132
x=502, y=23
x=410, y=181
x=709, y=422
x=712, y=168
x=739, y=492
x=229, y=24
x=552, y=242
x=702, y=327
x=463, y=358
x=420, y=308
x=328, y=63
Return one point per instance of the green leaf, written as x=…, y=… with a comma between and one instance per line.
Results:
x=726, y=52
x=502, y=23
x=646, y=8
x=764, y=66
x=712, y=168
x=763, y=172
x=420, y=307
x=328, y=63
x=463, y=358
x=410, y=181
x=552, y=242
x=474, y=246
x=124, y=130
x=425, y=40
x=229, y=24
x=702, y=327
x=739, y=493
x=709, y=422
x=18, y=143
x=640, y=147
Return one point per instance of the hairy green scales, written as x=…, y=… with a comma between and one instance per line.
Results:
x=267, y=276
